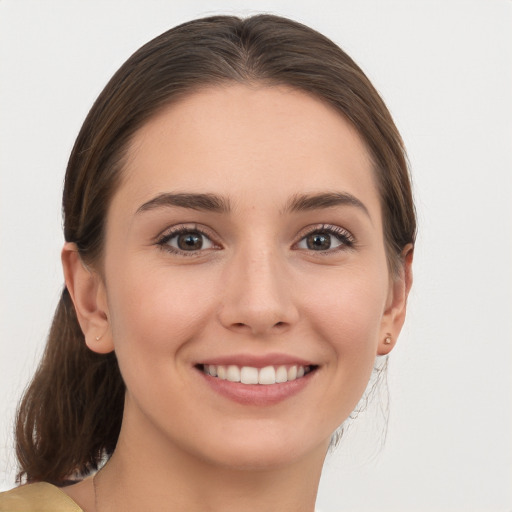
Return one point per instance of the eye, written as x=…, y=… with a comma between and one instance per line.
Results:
x=186, y=240
x=326, y=238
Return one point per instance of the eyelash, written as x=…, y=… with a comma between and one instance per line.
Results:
x=345, y=238
x=164, y=240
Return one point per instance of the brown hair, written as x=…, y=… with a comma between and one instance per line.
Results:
x=70, y=416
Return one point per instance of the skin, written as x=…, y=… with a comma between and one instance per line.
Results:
x=255, y=289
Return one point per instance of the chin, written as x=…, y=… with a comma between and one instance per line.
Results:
x=264, y=450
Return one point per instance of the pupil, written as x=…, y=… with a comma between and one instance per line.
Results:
x=318, y=242
x=190, y=241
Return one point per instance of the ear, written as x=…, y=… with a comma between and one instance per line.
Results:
x=88, y=293
x=396, y=305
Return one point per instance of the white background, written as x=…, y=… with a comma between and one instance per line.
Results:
x=445, y=70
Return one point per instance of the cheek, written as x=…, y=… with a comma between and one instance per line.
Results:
x=155, y=311
x=346, y=319
x=346, y=311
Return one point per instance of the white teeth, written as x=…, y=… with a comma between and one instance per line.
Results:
x=250, y=375
x=267, y=375
x=281, y=374
x=233, y=373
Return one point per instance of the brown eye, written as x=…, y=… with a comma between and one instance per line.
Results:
x=327, y=239
x=190, y=241
x=318, y=241
x=186, y=240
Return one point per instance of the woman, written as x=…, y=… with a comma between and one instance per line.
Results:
x=239, y=231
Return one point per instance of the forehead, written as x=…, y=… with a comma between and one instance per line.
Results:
x=248, y=142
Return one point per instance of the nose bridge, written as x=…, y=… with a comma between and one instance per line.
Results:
x=257, y=290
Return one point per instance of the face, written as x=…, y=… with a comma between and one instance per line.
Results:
x=246, y=242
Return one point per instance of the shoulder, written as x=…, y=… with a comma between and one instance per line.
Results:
x=39, y=497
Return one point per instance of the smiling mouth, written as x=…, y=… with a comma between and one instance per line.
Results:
x=267, y=375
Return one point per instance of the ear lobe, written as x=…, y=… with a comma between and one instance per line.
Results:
x=394, y=315
x=89, y=298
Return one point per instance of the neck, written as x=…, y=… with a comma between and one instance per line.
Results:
x=162, y=477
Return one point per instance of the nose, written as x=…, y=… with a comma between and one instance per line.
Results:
x=258, y=297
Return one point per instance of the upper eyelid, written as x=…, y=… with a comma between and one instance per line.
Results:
x=171, y=231
x=174, y=230
x=307, y=230
x=165, y=236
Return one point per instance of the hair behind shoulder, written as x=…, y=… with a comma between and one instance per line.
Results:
x=70, y=417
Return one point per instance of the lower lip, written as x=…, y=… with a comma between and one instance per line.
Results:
x=258, y=394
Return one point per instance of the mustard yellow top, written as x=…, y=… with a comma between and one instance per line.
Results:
x=40, y=497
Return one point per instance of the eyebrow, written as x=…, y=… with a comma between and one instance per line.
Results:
x=202, y=202
x=303, y=202
x=219, y=204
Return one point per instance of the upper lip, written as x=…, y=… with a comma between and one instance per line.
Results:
x=256, y=361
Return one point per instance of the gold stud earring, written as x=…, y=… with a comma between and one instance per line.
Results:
x=98, y=338
x=387, y=339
